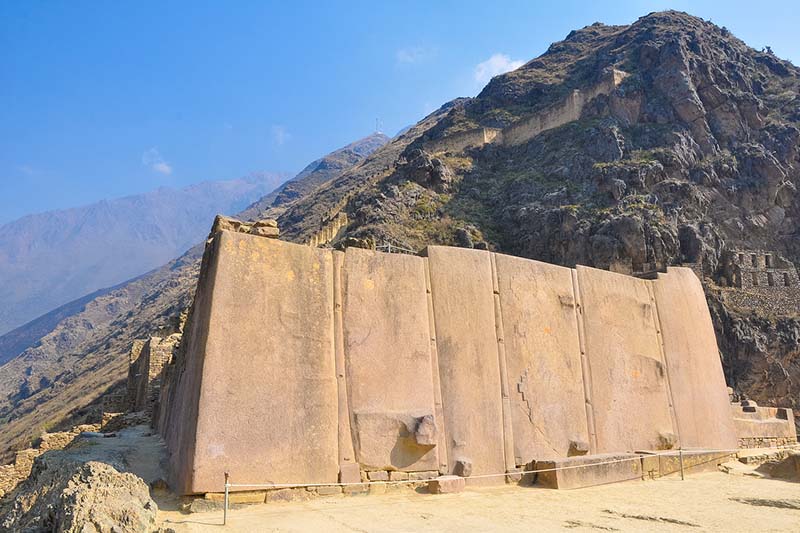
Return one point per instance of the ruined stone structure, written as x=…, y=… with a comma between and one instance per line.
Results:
x=759, y=279
x=519, y=132
x=148, y=360
x=748, y=269
x=763, y=427
x=13, y=474
x=329, y=228
x=306, y=365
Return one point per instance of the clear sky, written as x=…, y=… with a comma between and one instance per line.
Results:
x=103, y=99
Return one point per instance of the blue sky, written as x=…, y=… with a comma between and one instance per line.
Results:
x=105, y=99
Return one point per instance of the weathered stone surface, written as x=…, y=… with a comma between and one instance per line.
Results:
x=629, y=389
x=446, y=485
x=543, y=357
x=463, y=468
x=591, y=470
x=330, y=490
x=259, y=424
x=287, y=495
x=378, y=475
x=695, y=371
x=349, y=473
x=387, y=352
x=463, y=303
x=758, y=427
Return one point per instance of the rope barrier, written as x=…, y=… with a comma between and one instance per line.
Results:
x=635, y=457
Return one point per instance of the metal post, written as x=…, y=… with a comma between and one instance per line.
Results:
x=225, y=511
x=680, y=458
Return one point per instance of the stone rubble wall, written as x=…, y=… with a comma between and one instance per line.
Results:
x=12, y=474
x=305, y=365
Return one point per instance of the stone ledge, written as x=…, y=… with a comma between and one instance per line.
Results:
x=588, y=470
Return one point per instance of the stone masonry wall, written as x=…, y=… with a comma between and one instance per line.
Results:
x=461, y=361
x=525, y=129
x=20, y=469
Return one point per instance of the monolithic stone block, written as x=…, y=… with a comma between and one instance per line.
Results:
x=629, y=388
x=463, y=304
x=446, y=485
x=387, y=353
x=264, y=397
x=543, y=358
x=588, y=470
x=699, y=394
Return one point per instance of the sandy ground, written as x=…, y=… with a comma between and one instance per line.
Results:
x=703, y=502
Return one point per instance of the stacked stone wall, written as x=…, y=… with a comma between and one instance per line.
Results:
x=12, y=474
x=305, y=365
x=148, y=361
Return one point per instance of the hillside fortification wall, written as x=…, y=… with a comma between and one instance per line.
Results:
x=564, y=112
x=307, y=365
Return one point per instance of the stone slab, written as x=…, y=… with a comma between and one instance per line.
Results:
x=696, y=378
x=267, y=409
x=388, y=359
x=446, y=485
x=629, y=390
x=588, y=470
x=543, y=358
x=469, y=371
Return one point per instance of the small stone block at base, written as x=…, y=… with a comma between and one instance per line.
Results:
x=349, y=473
x=446, y=484
x=329, y=490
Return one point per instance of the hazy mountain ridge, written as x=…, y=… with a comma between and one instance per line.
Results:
x=76, y=353
x=51, y=258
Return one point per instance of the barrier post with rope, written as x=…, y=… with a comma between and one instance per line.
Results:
x=225, y=511
x=680, y=460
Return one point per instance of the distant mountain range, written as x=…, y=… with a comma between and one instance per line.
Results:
x=52, y=258
x=54, y=367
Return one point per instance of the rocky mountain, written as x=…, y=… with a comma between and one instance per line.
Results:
x=61, y=366
x=631, y=148
x=52, y=258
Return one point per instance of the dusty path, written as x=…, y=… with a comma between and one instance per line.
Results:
x=704, y=502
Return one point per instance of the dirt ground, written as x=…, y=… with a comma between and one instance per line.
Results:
x=703, y=502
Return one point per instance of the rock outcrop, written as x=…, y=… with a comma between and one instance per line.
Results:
x=72, y=496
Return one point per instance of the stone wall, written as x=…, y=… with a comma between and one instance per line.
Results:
x=569, y=110
x=304, y=365
x=14, y=473
x=763, y=427
x=748, y=269
x=147, y=363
